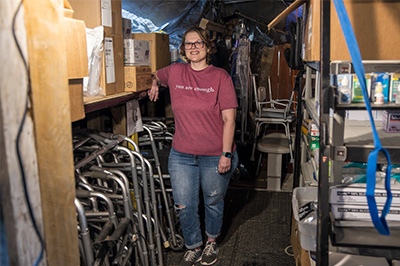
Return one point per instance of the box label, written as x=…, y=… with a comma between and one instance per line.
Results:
x=133, y=117
x=136, y=52
x=391, y=121
x=109, y=54
x=106, y=14
x=394, y=85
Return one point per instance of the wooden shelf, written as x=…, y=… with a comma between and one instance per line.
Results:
x=100, y=102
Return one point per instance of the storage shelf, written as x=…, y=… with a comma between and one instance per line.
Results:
x=357, y=139
x=364, y=234
x=359, y=142
x=100, y=102
x=361, y=106
x=373, y=65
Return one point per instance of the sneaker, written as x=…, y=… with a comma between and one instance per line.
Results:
x=191, y=257
x=210, y=254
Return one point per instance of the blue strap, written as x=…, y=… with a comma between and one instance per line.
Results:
x=378, y=221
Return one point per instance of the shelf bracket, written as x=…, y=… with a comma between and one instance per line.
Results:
x=339, y=153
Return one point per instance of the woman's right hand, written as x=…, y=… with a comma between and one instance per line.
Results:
x=153, y=92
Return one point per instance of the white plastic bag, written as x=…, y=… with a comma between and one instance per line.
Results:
x=95, y=58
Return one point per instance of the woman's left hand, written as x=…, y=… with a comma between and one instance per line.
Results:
x=224, y=164
x=153, y=92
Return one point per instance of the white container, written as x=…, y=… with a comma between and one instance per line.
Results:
x=379, y=97
x=344, y=91
x=307, y=227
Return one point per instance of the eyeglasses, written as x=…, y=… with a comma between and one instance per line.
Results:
x=197, y=45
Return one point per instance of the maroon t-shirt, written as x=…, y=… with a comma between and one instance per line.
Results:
x=197, y=99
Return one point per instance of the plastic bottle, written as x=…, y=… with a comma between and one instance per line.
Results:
x=379, y=97
x=398, y=95
x=344, y=92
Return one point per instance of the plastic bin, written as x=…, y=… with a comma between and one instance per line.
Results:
x=308, y=226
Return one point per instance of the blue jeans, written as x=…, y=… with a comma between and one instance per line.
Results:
x=189, y=172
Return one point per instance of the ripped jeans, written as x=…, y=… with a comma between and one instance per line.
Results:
x=189, y=172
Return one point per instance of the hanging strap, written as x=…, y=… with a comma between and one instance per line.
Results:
x=378, y=221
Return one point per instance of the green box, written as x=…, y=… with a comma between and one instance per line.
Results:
x=357, y=96
x=313, y=141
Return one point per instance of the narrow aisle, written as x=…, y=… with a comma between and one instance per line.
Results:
x=255, y=232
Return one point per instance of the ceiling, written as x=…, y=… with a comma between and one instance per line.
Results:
x=173, y=16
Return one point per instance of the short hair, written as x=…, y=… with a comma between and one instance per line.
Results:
x=204, y=36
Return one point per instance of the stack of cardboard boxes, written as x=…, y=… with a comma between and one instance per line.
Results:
x=144, y=53
x=127, y=59
x=107, y=14
x=136, y=61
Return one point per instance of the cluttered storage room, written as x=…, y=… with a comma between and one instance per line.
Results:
x=200, y=132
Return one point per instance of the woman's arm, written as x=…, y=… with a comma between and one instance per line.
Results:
x=229, y=118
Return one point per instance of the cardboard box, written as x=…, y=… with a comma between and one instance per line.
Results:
x=108, y=14
x=391, y=121
x=77, y=64
x=355, y=194
x=136, y=52
x=301, y=256
x=100, y=12
x=313, y=141
x=394, y=86
x=112, y=76
x=357, y=96
x=159, y=48
x=75, y=38
x=313, y=129
x=137, y=78
x=76, y=99
x=68, y=13
x=375, y=24
x=361, y=212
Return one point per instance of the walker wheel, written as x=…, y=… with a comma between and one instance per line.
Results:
x=180, y=243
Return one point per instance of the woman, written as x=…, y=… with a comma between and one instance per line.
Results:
x=203, y=152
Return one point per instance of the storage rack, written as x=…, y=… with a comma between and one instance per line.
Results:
x=340, y=142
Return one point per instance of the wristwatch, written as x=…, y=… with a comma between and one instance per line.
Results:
x=227, y=154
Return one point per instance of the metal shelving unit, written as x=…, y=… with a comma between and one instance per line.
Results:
x=340, y=140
